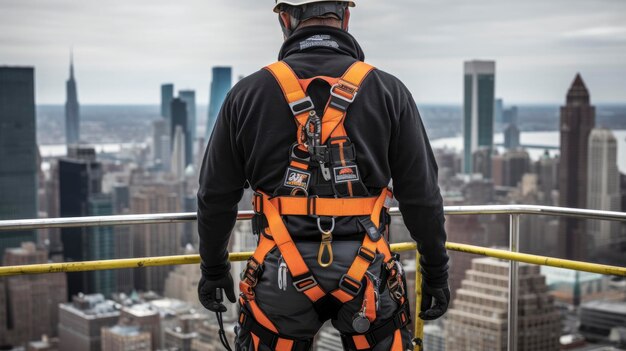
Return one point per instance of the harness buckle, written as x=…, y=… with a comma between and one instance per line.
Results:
x=251, y=274
x=366, y=254
x=300, y=106
x=350, y=285
x=346, y=91
x=257, y=203
x=304, y=282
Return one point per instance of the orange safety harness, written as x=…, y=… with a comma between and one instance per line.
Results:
x=323, y=153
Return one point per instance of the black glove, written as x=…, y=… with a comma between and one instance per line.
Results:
x=434, y=302
x=210, y=293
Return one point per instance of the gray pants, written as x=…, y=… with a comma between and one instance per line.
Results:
x=292, y=312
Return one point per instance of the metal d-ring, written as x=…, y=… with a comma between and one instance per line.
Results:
x=325, y=244
x=297, y=190
x=332, y=225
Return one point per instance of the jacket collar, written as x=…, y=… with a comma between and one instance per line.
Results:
x=320, y=39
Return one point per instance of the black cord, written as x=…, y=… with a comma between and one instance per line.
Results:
x=222, y=333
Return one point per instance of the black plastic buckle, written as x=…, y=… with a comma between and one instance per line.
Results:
x=350, y=285
x=304, y=282
x=257, y=202
x=366, y=254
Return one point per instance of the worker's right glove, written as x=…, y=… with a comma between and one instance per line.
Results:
x=210, y=292
x=434, y=302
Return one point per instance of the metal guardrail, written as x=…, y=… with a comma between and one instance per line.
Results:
x=514, y=211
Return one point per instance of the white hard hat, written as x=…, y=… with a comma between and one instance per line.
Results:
x=304, y=2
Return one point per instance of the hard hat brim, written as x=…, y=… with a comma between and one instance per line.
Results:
x=300, y=3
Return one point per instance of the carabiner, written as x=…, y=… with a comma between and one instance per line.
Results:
x=325, y=244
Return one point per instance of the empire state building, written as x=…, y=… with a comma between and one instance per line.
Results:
x=72, y=116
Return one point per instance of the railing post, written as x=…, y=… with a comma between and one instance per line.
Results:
x=418, y=333
x=513, y=283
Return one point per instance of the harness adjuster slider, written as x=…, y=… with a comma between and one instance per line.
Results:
x=350, y=285
x=304, y=282
x=300, y=106
x=344, y=91
x=257, y=203
x=366, y=254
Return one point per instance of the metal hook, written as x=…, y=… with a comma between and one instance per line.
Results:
x=325, y=244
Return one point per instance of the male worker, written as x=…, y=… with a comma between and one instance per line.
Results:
x=318, y=136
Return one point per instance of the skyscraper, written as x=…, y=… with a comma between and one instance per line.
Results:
x=31, y=308
x=220, y=85
x=102, y=246
x=178, y=154
x=80, y=178
x=179, y=119
x=578, y=117
x=160, y=128
x=72, y=111
x=478, y=317
x=155, y=239
x=189, y=97
x=167, y=95
x=18, y=152
x=603, y=190
x=478, y=109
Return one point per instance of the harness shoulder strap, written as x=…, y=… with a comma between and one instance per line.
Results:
x=342, y=94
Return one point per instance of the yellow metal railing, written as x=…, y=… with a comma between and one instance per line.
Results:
x=515, y=211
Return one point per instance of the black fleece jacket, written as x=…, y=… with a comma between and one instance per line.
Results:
x=255, y=129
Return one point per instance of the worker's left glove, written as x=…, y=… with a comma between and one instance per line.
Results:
x=210, y=292
x=435, y=302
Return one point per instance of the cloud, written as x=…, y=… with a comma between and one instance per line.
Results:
x=124, y=49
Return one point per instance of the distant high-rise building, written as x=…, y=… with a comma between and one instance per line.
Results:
x=81, y=321
x=189, y=97
x=101, y=246
x=509, y=115
x=72, y=110
x=498, y=111
x=80, y=178
x=18, y=152
x=478, y=109
x=434, y=337
x=30, y=302
x=160, y=128
x=478, y=317
x=221, y=83
x=603, y=190
x=155, y=239
x=548, y=168
x=578, y=117
x=167, y=95
x=511, y=136
x=178, y=164
x=125, y=337
x=179, y=119
x=515, y=164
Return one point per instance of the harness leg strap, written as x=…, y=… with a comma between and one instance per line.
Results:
x=390, y=327
x=273, y=340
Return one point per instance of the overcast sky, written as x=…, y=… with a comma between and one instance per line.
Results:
x=124, y=49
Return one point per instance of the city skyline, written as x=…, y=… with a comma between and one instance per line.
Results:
x=538, y=45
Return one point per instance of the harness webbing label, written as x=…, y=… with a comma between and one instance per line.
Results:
x=295, y=178
x=346, y=174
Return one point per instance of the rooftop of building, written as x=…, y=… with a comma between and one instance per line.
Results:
x=606, y=306
x=125, y=330
x=92, y=306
